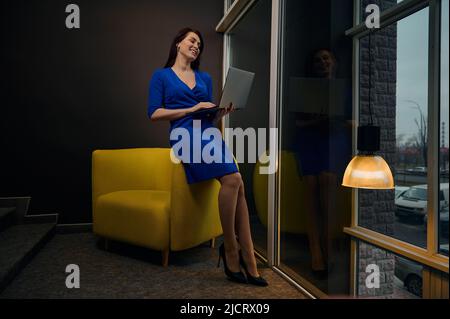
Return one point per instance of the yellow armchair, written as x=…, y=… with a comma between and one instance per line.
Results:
x=141, y=197
x=292, y=200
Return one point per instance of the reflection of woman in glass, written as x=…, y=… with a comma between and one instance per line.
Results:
x=314, y=134
x=176, y=91
x=324, y=64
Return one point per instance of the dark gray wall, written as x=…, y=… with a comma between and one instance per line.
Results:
x=65, y=93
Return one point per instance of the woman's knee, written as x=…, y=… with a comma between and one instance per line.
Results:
x=241, y=188
x=232, y=180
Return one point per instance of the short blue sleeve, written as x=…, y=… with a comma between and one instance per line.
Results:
x=156, y=93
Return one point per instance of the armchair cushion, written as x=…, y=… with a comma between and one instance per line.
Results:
x=139, y=217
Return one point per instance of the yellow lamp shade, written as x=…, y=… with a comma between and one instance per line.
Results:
x=368, y=171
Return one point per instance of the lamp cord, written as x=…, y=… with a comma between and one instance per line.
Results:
x=370, y=77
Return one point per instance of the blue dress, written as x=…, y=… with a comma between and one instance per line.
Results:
x=169, y=91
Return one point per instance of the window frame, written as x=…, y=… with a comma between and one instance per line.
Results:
x=430, y=256
x=232, y=15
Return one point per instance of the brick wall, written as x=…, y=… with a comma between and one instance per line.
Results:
x=369, y=254
x=376, y=207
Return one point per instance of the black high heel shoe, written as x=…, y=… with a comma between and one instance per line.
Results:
x=233, y=276
x=257, y=281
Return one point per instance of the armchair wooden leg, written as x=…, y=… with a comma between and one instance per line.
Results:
x=213, y=242
x=165, y=258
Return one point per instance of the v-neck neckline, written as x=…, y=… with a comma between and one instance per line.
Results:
x=195, y=77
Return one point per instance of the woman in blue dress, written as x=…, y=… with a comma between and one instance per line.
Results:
x=176, y=91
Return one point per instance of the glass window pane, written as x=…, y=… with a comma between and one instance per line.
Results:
x=399, y=95
x=250, y=51
x=382, y=274
x=443, y=163
x=316, y=142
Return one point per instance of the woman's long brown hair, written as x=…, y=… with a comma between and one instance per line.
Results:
x=173, y=48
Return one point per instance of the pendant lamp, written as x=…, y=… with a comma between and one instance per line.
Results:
x=366, y=169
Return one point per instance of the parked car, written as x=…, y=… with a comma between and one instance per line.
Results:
x=443, y=221
x=399, y=190
x=420, y=169
x=410, y=273
x=413, y=202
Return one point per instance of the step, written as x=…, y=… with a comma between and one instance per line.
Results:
x=7, y=217
x=18, y=245
x=4, y=211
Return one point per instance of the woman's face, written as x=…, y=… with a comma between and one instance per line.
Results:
x=324, y=63
x=190, y=46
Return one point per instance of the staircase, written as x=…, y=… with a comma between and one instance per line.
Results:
x=21, y=236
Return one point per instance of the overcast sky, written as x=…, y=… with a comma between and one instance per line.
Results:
x=412, y=71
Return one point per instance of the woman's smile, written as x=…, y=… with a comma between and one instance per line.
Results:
x=194, y=52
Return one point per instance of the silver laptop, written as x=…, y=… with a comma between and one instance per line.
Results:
x=237, y=88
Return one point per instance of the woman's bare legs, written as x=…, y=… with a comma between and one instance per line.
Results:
x=328, y=185
x=313, y=221
x=244, y=232
x=228, y=196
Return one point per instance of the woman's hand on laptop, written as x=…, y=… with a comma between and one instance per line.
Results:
x=224, y=111
x=202, y=105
